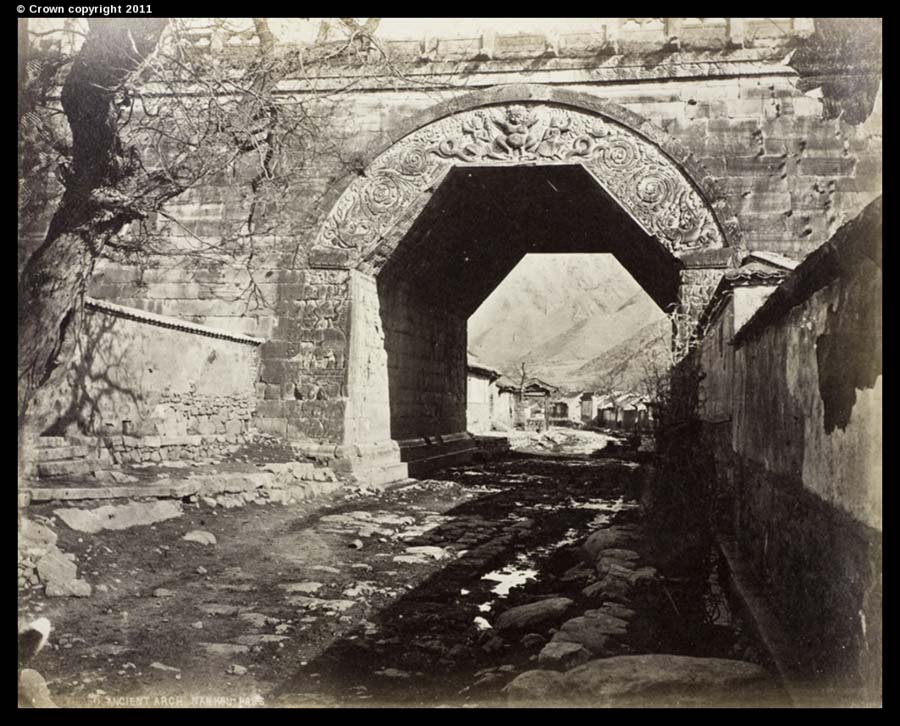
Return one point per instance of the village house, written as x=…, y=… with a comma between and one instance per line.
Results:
x=479, y=398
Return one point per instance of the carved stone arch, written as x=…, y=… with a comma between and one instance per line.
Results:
x=667, y=193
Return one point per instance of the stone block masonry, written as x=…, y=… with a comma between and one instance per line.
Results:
x=719, y=98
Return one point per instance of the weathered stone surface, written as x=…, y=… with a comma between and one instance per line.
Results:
x=308, y=587
x=56, y=567
x=563, y=654
x=35, y=535
x=593, y=632
x=224, y=648
x=602, y=539
x=33, y=690
x=661, y=680
x=610, y=587
x=118, y=516
x=641, y=680
x=200, y=536
x=540, y=612
x=68, y=588
x=536, y=688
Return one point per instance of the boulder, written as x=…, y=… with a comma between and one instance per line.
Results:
x=604, y=539
x=200, y=536
x=593, y=632
x=68, y=588
x=536, y=688
x=662, y=680
x=118, y=516
x=36, y=536
x=55, y=567
x=561, y=654
x=526, y=616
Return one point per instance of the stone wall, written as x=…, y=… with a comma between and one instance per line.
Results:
x=426, y=362
x=721, y=98
x=799, y=463
x=151, y=386
x=478, y=402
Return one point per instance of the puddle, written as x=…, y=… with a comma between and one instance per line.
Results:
x=507, y=578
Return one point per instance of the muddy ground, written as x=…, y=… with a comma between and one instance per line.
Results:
x=366, y=599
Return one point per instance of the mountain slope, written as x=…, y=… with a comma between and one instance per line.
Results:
x=560, y=314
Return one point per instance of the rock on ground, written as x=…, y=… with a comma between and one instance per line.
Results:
x=118, y=516
x=559, y=654
x=643, y=680
x=200, y=536
x=525, y=616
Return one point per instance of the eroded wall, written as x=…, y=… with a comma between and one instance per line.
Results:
x=160, y=385
x=799, y=463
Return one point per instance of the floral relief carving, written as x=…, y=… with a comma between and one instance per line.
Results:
x=634, y=171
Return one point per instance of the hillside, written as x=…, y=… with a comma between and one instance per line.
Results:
x=566, y=316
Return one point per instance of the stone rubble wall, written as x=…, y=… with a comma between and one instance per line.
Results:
x=148, y=388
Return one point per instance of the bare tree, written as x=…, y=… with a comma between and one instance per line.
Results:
x=142, y=113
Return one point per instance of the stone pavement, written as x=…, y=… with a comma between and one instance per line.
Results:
x=443, y=591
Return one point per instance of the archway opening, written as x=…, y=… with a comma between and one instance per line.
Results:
x=479, y=223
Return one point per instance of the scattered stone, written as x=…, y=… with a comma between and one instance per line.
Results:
x=200, y=536
x=102, y=588
x=332, y=570
x=533, y=640
x=198, y=625
x=258, y=620
x=525, y=616
x=593, y=632
x=224, y=648
x=615, y=609
x=392, y=673
x=163, y=667
x=579, y=573
x=560, y=654
x=218, y=609
x=539, y=687
x=315, y=603
x=163, y=592
x=309, y=587
x=36, y=536
x=33, y=690
x=70, y=588
x=260, y=639
x=55, y=568
x=209, y=501
x=357, y=544
x=663, y=680
x=118, y=516
x=604, y=539
x=437, y=553
x=410, y=559
x=494, y=644
x=201, y=570
x=236, y=670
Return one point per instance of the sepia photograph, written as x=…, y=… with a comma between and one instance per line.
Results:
x=466, y=363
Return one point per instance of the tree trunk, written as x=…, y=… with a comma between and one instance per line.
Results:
x=92, y=208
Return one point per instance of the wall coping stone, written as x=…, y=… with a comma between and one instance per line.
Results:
x=166, y=321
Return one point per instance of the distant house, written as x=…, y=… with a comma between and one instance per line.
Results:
x=505, y=403
x=535, y=411
x=479, y=398
x=565, y=409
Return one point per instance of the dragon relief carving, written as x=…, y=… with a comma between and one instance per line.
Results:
x=633, y=170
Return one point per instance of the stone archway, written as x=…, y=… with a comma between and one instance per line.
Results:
x=633, y=163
